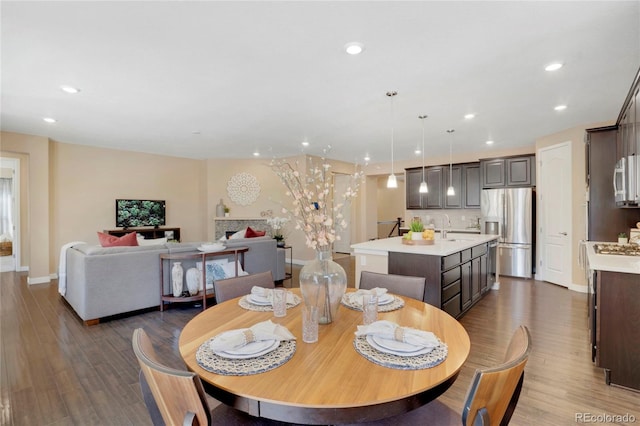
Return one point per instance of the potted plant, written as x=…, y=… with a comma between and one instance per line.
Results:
x=416, y=229
x=226, y=211
x=277, y=224
x=622, y=238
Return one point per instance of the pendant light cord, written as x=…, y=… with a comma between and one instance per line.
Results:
x=391, y=95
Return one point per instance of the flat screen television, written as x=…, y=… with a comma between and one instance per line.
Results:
x=135, y=213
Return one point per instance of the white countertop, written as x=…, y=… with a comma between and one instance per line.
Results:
x=611, y=262
x=452, y=230
x=454, y=243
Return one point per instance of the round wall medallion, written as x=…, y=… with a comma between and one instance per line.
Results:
x=243, y=189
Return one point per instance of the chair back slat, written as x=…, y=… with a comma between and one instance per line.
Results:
x=239, y=286
x=497, y=389
x=176, y=392
x=402, y=285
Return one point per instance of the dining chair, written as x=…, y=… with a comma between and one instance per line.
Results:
x=238, y=286
x=402, y=285
x=491, y=398
x=175, y=397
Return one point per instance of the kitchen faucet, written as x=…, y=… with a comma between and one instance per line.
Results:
x=443, y=231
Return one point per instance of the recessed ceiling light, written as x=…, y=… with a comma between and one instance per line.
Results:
x=49, y=120
x=69, y=89
x=305, y=143
x=489, y=142
x=553, y=67
x=367, y=158
x=560, y=107
x=469, y=116
x=418, y=151
x=256, y=154
x=354, y=48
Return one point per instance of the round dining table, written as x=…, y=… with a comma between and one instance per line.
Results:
x=327, y=382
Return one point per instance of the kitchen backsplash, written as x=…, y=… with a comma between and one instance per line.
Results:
x=460, y=219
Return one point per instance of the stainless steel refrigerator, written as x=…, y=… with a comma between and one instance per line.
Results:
x=508, y=213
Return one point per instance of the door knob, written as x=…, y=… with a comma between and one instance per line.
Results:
x=563, y=233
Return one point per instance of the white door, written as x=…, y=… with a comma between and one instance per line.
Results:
x=555, y=213
x=340, y=185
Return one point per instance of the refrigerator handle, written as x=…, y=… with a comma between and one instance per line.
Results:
x=503, y=231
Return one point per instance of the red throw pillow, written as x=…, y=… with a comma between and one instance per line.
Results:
x=107, y=240
x=252, y=233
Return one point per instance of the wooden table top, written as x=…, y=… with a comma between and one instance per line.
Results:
x=328, y=380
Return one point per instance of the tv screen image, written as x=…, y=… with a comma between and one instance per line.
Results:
x=134, y=213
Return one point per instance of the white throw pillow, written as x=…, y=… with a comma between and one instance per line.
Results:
x=150, y=242
x=230, y=270
x=238, y=235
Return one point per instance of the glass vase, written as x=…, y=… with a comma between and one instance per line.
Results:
x=323, y=282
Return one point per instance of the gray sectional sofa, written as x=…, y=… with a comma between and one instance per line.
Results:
x=106, y=281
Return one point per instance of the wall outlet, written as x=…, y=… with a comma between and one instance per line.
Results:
x=363, y=260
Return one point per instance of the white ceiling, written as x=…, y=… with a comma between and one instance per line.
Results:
x=268, y=75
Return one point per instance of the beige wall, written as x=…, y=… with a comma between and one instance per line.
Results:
x=390, y=204
x=85, y=182
x=33, y=152
x=575, y=137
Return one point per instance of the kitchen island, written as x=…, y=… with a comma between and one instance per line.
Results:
x=459, y=269
x=614, y=315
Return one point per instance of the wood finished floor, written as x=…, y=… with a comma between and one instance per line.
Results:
x=56, y=371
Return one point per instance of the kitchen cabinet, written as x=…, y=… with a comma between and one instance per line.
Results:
x=471, y=186
x=628, y=140
x=604, y=219
x=493, y=175
x=453, y=178
x=454, y=282
x=413, y=179
x=508, y=172
x=466, y=182
x=434, y=198
x=614, y=319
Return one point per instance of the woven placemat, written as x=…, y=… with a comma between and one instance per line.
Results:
x=245, y=304
x=418, y=362
x=208, y=360
x=388, y=307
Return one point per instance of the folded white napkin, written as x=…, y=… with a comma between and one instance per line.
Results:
x=392, y=331
x=265, y=330
x=356, y=296
x=268, y=294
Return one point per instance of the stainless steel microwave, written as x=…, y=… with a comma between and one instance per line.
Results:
x=626, y=181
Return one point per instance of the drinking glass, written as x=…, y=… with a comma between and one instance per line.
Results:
x=309, y=324
x=279, y=302
x=369, y=308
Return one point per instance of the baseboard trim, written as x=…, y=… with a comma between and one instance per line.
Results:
x=38, y=280
x=578, y=288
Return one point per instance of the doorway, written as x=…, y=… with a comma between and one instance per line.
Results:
x=555, y=197
x=9, y=214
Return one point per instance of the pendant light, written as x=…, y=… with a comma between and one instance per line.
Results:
x=450, y=190
x=391, y=181
x=423, y=186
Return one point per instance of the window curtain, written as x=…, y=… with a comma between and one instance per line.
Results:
x=6, y=208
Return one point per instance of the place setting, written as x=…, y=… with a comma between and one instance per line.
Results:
x=386, y=302
x=262, y=347
x=262, y=299
x=390, y=345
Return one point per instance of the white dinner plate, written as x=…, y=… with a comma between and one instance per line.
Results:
x=250, y=350
x=385, y=299
x=396, y=348
x=259, y=300
x=211, y=250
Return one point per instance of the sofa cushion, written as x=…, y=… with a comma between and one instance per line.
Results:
x=107, y=240
x=252, y=233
